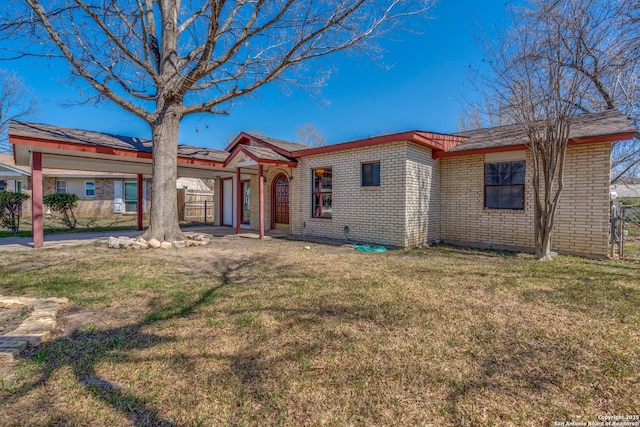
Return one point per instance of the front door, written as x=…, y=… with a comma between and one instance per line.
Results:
x=280, y=192
x=227, y=202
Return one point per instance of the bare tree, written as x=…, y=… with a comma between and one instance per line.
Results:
x=16, y=102
x=162, y=60
x=308, y=134
x=532, y=86
x=470, y=119
x=606, y=37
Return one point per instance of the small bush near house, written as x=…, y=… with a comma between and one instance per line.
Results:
x=63, y=203
x=10, y=209
x=630, y=201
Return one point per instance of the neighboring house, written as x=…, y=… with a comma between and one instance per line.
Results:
x=405, y=190
x=195, y=184
x=626, y=191
x=101, y=194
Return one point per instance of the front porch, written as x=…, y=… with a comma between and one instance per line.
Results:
x=238, y=169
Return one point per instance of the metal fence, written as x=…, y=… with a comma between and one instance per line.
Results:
x=195, y=206
x=626, y=232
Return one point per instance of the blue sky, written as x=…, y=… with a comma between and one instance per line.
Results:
x=421, y=87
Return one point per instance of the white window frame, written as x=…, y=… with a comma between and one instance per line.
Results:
x=58, y=188
x=86, y=194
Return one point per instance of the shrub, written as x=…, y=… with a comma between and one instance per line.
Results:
x=63, y=203
x=630, y=201
x=10, y=209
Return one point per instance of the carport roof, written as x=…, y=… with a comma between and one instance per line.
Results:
x=38, y=131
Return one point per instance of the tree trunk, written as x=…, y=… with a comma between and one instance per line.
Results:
x=164, y=225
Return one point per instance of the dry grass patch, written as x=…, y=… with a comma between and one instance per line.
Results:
x=245, y=332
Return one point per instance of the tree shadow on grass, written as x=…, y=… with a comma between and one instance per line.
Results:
x=508, y=368
x=83, y=350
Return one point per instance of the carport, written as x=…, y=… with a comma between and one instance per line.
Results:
x=38, y=145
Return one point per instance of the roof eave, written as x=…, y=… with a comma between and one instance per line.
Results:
x=598, y=139
x=97, y=149
x=15, y=169
x=258, y=160
x=435, y=142
x=244, y=138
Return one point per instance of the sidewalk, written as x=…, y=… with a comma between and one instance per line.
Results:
x=81, y=238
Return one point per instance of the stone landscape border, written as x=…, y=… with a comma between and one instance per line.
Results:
x=124, y=242
x=34, y=329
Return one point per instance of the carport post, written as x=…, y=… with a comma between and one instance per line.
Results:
x=36, y=200
x=238, y=200
x=139, y=209
x=261, y=198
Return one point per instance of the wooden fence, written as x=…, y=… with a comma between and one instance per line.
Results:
x=196, y=206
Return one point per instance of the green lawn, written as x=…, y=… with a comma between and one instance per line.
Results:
x=249, y=332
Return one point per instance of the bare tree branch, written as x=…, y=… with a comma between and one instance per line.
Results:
x=164, y=59
x=17, y=102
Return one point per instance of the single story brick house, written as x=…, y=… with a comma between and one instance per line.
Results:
x=101, y=194
x=404, y=190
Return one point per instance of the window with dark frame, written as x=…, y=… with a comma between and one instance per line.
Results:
x=504, y=185
x=371, y=174
x=322, y=189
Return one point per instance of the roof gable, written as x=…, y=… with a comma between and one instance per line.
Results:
x=280, y=146
x=258, y=155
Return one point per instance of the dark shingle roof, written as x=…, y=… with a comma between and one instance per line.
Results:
x=264, y=153
x=608, y=122
x=78, y=136
x=291, y=147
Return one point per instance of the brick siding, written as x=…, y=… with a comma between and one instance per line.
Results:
x=421, y=200
x=373, y=214
x=581, y=219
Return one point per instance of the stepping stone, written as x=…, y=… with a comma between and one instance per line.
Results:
x=33, y=339
x=9, y=344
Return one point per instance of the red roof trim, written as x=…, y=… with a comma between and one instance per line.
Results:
x=441, y=154
x=259, y=161
x=572, y=142
x=430, y=140
x=71, y=146
x=244, y=138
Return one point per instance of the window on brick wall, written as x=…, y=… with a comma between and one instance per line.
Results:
x=504, y=185
x=371, y=174
x=89, y=189
x=322, y=191
x=61, y=186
